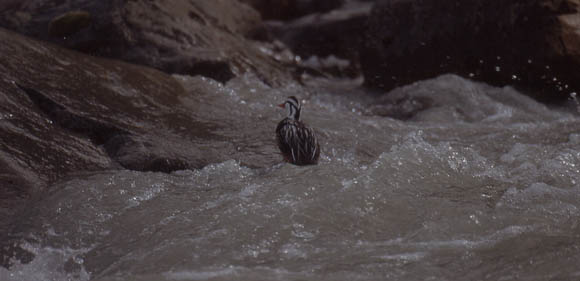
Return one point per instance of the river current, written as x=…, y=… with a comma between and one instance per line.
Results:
x=471, y=182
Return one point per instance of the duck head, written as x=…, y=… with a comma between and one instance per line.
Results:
x=292, y=105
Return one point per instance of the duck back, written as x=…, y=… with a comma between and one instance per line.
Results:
x=297, y=142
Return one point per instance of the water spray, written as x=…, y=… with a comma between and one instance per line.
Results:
x=575, y=100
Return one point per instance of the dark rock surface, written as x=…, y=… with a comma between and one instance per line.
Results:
x=290, y=9
x=515, y=42
x=195, y=37
x=64, y=112
x=338, y=33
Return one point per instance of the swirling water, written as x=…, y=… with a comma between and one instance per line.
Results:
x=482, y=183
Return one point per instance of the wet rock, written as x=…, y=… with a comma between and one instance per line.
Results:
x=516, y=42
x=338, y=33
x=570, y=30
x=121, y=145
x=332, y=65
x=98, y=132
x=289, y=9
x=14, y=252
x=63, y=112
x=69, y=23
x=187, y=37
x=402, y=108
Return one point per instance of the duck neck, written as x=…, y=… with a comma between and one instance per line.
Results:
x=293, y=112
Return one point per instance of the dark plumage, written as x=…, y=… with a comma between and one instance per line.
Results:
x=296, y=141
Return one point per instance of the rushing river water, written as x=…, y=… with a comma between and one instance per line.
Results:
x=481, y=183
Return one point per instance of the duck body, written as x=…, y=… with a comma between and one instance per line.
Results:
x=297, y=142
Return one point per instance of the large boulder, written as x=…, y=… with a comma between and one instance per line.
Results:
x=64, y=112
x=194, y=37
x=530, y=44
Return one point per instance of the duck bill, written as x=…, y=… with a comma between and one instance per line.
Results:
x=281, y=105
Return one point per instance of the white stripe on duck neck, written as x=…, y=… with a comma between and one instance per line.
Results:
x=293, y=106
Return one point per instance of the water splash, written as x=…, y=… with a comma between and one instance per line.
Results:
x=575, y=100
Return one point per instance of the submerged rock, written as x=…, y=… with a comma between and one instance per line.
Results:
x=523, y=43
x=187, y=37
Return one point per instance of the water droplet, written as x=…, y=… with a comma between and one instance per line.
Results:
x=474, y=219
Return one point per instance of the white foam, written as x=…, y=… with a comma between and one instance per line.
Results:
x=200, y=275
x=48, y=265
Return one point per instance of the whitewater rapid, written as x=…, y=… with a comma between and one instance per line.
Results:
x=474, y=183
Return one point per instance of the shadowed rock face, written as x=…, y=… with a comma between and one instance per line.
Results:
x=500, y=42
x=186, y=37
x=63, y=112
x=338, y=33
x=289, y=9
